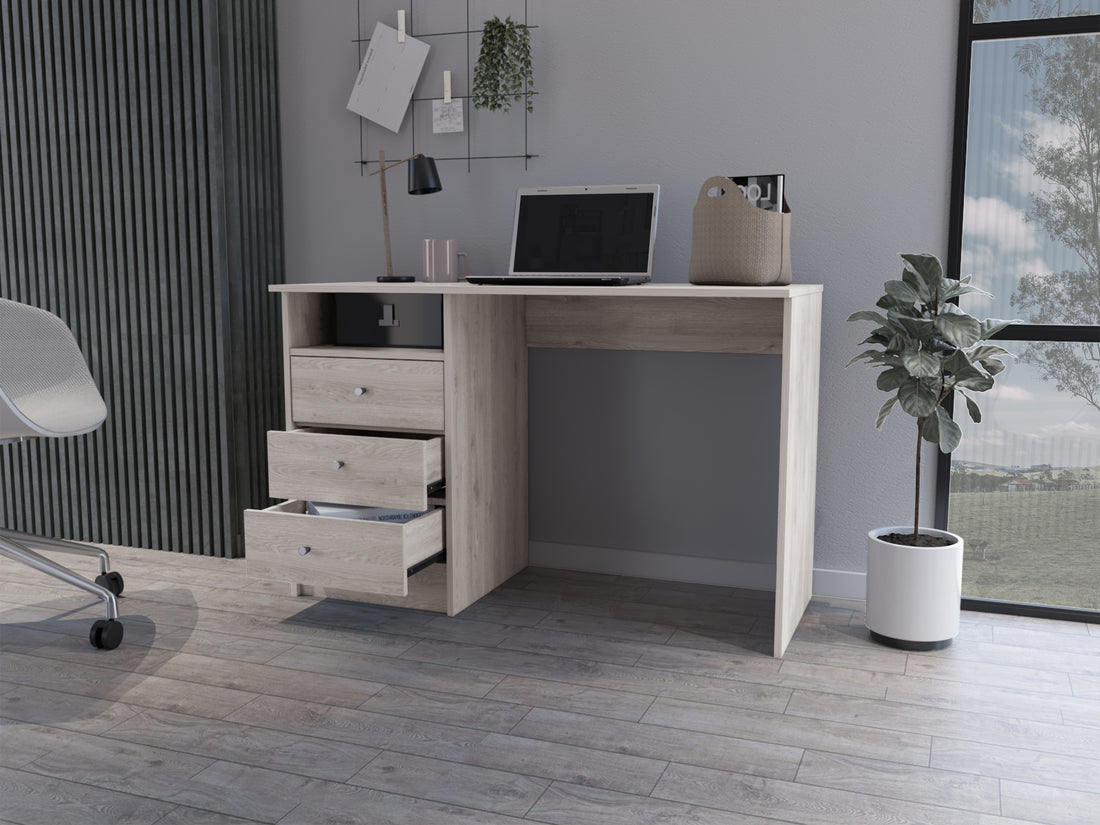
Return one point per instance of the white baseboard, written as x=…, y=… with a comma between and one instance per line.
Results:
x=840, y=584
x=646, y=565
x=723, y=572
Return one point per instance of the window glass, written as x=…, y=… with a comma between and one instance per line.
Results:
x=1031, y=230
x=1025, y=492
x=996, y=11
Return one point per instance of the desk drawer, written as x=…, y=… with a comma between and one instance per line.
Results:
x=282, y=542
x=379, y=393
x=379, y=471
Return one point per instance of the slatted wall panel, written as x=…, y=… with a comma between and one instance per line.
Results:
x=139, y=200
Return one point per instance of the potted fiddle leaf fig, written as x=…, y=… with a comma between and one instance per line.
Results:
x=928, y=349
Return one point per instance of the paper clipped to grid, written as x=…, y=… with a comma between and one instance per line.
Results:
x=387, y=77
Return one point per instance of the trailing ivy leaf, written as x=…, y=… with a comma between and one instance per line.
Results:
x=503, y=72
x=916, y=399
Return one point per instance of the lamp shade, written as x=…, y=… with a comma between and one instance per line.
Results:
x=423, y=176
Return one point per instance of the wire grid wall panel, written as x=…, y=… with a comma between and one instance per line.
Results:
x=139, y=201
x=453, y=31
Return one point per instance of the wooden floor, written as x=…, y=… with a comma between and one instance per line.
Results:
x=561, y=698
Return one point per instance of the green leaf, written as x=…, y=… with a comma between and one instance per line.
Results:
x=917, y=283
x=940, y=429
x=920, y=364
x=991, y=326
x=927, y=267
x=884, y=410
x=916, y=327
x=958, y=288
x=992, y=365
x=958, y=328
x=972, y=408
x=902, y=292
x=974, y=380
x=916, y=399
x=869, y=315
x=892, y=378
x=988, y=351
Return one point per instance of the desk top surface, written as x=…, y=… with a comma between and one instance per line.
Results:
x=667, y=290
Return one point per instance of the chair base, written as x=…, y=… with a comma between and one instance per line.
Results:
x=105, y=633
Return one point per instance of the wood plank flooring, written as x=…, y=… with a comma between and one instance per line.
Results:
x=560, y=698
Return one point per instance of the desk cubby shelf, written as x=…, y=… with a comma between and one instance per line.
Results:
x=368, y=145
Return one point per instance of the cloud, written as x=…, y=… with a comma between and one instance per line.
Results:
x=997, y=221
x=1012, y=392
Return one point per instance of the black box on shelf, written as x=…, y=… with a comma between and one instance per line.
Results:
x=388, y=319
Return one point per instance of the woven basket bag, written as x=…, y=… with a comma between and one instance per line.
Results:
x=735, y=242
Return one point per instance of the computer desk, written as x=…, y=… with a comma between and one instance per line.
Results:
x=469, y=402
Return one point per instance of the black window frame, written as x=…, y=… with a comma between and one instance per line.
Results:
x=969, y=34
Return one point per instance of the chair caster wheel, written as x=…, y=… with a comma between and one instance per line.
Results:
x=112, y=581
x=106, y=634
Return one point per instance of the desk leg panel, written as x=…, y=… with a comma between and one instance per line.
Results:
x=485, y=352
x=797, y=464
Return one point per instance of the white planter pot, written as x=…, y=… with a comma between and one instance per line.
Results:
x=913, y=593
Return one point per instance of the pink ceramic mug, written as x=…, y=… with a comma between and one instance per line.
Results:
x=441, y=260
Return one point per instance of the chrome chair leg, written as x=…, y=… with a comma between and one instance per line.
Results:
x=61, y=546
x=105, y=633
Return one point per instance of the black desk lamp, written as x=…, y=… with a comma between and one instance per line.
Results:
x=423, y=180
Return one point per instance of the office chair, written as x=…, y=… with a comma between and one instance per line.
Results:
x=47, y=391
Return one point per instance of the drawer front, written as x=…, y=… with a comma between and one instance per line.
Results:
x=367, y=392
x=282, y=542
x=354, y=469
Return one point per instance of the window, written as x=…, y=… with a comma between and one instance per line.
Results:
x=1024, y=486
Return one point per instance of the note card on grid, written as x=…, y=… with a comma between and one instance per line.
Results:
x=387, y=77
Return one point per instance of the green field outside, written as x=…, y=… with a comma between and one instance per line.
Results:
x=1040, y=547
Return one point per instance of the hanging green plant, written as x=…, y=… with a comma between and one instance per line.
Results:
x=502, y=74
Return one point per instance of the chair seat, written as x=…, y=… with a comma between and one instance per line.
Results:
x=45, y=387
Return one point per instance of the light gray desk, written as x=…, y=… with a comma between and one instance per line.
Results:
x=479, y=384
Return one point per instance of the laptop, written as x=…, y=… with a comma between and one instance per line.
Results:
x=590, y=235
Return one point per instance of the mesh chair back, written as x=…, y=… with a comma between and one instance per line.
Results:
x=45, y=386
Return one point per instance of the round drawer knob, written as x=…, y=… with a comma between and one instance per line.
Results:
x=359, y=391
x=336, y=465
x=303, y=550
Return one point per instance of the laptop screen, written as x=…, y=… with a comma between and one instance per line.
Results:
x=585, y=230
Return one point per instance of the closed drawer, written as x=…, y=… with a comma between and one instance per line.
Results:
x=282, y=542
x=384, y=393
x=380, y=471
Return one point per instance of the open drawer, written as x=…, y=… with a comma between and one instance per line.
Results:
x=377, y=471
x=283, y=542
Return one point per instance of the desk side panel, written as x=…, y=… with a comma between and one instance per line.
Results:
x=307, y=322
x=797, y=465
x=659, y=324
x=485, y=366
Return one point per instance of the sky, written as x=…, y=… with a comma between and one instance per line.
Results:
x=1026, y=420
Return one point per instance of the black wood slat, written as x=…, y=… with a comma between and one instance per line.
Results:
x=139, y=199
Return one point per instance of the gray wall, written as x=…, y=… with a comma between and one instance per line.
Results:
x=852, y=99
